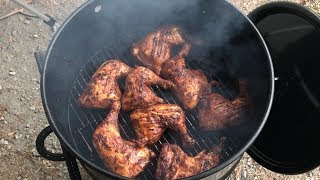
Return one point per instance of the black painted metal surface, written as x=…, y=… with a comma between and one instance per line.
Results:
x=288, y=142
x=98, y=31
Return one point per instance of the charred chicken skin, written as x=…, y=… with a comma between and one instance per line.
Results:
x=157, y=47
x=120, y=156
x=174, y=163
x=216, y=112
x=190, y=84
x=138, y=94
x=150, y=123
x=103, y=89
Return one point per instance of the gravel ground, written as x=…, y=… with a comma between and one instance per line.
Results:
x=21, y=111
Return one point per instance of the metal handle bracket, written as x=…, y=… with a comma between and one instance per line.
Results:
x=43, y=151
x=40, y=59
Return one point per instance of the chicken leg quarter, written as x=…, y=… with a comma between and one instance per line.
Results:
x=103, y=89
x=173, y=163
x=216, y=112
x=138, y=93
x=121, y=156
x=157, y=46
x=190, y=85
x=150, y=123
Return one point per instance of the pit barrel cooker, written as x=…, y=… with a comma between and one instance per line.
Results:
x=276, y=49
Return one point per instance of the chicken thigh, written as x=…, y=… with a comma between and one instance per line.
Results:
x=150, y=123
x=173, y=163
x=120, y=156
x=103, y=89
x=138, y=93
x=190, y=84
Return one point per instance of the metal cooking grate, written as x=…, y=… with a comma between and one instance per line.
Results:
x=82, y=122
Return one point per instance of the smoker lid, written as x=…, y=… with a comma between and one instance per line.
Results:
x=289, y=141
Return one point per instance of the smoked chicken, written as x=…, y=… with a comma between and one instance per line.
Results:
x=157, y=47
x=103, y=89
x=174, y=163
x=190, y=84
x=150, y=123
x=216, y=112
x=120, y=156
x=138, y=93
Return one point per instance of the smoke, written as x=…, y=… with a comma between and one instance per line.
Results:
x=215, y=21
x=122, y=22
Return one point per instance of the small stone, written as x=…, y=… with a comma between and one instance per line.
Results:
x=59, y=174
x=19, y=177
x=27, y=125
x=34, y=79
x=14, y=33
x=2, y=141
x=27, y=22
x=49, y=148
x=9, y=147
x=27, y=136
x=16, y=136
x=21, y=99
x=35, y=36
x=12, y=73
x=0, y=87
x=25, y=178
x=5, y=153
x=35, y=152
x=32, y=108
x=244, y=175
x=10, y=134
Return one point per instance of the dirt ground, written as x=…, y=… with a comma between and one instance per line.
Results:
x=21, y=112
